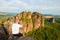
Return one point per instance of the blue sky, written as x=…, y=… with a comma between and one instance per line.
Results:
x=43, y=6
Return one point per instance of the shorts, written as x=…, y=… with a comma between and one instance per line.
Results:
x=18, y=35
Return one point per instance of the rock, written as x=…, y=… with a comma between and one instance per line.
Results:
x=30, y=21
x=29, y=25
x=3, y=33
x=25, y=38
x=24, y=14
x=24, y=27
x=19, y=38
x=11, y=37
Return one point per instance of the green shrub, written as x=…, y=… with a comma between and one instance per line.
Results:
x=48, y=33
x=55, y=25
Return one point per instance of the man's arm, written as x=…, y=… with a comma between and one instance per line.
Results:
x=20, y=25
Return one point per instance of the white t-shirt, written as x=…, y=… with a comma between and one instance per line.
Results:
x=15, y=28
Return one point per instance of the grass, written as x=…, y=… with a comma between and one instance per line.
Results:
x=50, y=32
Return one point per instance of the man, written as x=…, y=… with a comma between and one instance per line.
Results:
x=16, y=27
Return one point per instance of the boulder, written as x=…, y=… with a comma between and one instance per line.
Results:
x=25, y=38
x=3, y=33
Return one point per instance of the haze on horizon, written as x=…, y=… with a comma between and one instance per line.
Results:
x=43, y=6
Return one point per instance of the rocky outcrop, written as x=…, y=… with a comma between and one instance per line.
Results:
x=3, y=33
x=29, y=20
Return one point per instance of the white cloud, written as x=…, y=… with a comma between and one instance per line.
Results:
x=39, y=7
x=11, y=6
x=14, y=5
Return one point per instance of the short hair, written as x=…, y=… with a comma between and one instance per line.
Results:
x=16, y=19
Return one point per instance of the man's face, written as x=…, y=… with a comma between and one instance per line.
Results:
x=16, y=20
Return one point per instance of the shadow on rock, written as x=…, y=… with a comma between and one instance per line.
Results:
x=3, y=33
x=25, y=38
x=19, y=38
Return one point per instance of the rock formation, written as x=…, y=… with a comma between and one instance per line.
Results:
x=29, y=20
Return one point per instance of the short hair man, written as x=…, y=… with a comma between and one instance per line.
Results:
x=16, y=27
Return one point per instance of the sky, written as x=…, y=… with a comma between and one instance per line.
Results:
x=42, y=6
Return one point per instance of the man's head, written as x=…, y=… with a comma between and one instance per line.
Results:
x=16, y=20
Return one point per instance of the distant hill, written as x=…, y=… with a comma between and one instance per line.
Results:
x=7, y=14
x=55, y=16
x=4, y=15
x=47, y=14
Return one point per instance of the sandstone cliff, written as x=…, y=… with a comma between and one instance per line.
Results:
x=29, y=20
